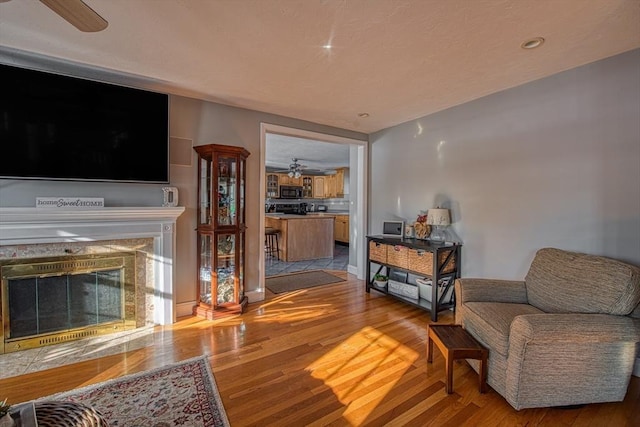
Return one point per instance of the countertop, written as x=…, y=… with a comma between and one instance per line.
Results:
x=309, y=214
x=293, y=216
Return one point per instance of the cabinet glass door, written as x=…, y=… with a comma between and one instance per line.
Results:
x=272, y=185
x=225, y=268
x=241, y=177
x=205, y=268
x=227, y=176
x=205, y=192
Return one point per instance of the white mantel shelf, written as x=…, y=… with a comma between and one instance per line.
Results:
x=22, y=226
x=48, y=215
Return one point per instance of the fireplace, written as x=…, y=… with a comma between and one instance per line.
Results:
x=57, y=299
x=149, y=232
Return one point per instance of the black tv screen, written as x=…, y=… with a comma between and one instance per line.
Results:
x=64, y=128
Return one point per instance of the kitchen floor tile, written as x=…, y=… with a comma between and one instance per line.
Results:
x=339, y=261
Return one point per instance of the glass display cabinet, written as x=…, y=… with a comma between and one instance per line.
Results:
x=221, y=230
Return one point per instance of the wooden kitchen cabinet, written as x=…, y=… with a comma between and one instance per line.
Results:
x=303, y=237
x=334, y=185
x=330, y=186
x=272, y=183
x=285, y=179
x=341, y=228
x=221, y=230
x=339, y=176
x=319, y=187
x=307, y=187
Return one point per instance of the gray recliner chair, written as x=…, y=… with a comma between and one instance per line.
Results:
x=566, y=335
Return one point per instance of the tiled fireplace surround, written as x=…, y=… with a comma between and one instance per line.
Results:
x=150, y=231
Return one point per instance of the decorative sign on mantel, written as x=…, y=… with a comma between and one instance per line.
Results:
x=70, y=202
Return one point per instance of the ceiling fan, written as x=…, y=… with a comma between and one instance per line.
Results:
x=77, y=13
x=295, y=169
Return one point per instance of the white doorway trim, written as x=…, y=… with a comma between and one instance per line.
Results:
x=357, y=232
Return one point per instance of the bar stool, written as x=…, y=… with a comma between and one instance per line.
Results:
x=271, y=242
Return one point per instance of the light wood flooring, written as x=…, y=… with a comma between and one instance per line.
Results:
x=332, y=355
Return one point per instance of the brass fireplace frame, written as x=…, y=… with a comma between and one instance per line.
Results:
x=65, y=265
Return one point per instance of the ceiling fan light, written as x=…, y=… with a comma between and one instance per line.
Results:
x=290, y=174
x=298, y=174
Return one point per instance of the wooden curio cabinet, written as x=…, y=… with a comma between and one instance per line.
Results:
x=221, y=230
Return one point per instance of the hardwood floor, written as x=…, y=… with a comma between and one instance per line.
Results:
x=332, y=355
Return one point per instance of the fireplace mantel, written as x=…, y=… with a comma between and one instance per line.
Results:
x=23, y=226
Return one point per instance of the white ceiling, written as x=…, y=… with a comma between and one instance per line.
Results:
x=314, y=156
x=395, y=59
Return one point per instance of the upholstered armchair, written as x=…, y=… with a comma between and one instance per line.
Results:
x=566, y=335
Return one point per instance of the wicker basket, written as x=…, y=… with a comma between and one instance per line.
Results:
x=397, y=256
x=378, y=252
x=422, y=261
x=68, y=414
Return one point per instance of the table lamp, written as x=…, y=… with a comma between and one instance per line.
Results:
x=438, y=218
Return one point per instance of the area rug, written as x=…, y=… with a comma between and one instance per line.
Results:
x=301, y=280
x=180, y=394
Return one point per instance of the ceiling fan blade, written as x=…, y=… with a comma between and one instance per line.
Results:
x=78, y=14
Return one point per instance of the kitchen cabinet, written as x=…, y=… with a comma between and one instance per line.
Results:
x=330, y=186
x=334, y=185
x=221, y=230
x=272, y=183
x=307, y=187
x=319, y=187
x=285, y=179
x=303, y=237
x=339, y=177
x=341, y=228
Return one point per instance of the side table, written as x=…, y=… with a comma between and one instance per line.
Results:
x=456, y=343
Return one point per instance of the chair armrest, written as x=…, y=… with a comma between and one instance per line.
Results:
x=569, y=359
x=490, y=290
x=574, y=328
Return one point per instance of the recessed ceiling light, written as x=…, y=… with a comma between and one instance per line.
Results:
x=532, y=43
x=363, y=115
x=327, y=46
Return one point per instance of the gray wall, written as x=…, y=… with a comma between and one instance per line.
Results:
x=200, y=121
x=552, y=163
x=209, y=123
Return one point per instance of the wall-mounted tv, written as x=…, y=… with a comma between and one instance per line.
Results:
x=64, y=128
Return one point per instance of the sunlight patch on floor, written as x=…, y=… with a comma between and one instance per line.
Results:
x=362, y=369
x=282, y=309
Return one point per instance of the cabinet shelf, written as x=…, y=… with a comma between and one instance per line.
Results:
x=419, y=258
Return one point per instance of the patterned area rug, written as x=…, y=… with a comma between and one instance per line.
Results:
x=302, y=280
x=181, y=394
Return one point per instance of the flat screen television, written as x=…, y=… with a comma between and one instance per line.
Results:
x=57, y=127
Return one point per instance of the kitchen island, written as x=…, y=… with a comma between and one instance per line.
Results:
x=303, y=237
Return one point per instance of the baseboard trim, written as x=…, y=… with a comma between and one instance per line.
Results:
x=185, y=308
x=255, y=296
x=352, y=269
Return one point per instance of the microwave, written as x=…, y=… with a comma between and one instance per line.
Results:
x=290, y=192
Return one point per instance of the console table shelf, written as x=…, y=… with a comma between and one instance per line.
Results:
x=415, y=259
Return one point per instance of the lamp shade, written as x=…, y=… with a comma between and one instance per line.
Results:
x=438, y=217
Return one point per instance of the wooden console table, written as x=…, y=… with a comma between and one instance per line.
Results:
x=456, y=343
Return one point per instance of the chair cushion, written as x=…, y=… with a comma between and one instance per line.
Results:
x=560, y=281
x=490, y=322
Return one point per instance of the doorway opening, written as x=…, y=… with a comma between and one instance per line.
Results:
x=320, y=179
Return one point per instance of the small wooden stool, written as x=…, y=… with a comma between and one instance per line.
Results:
x=456, y=343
